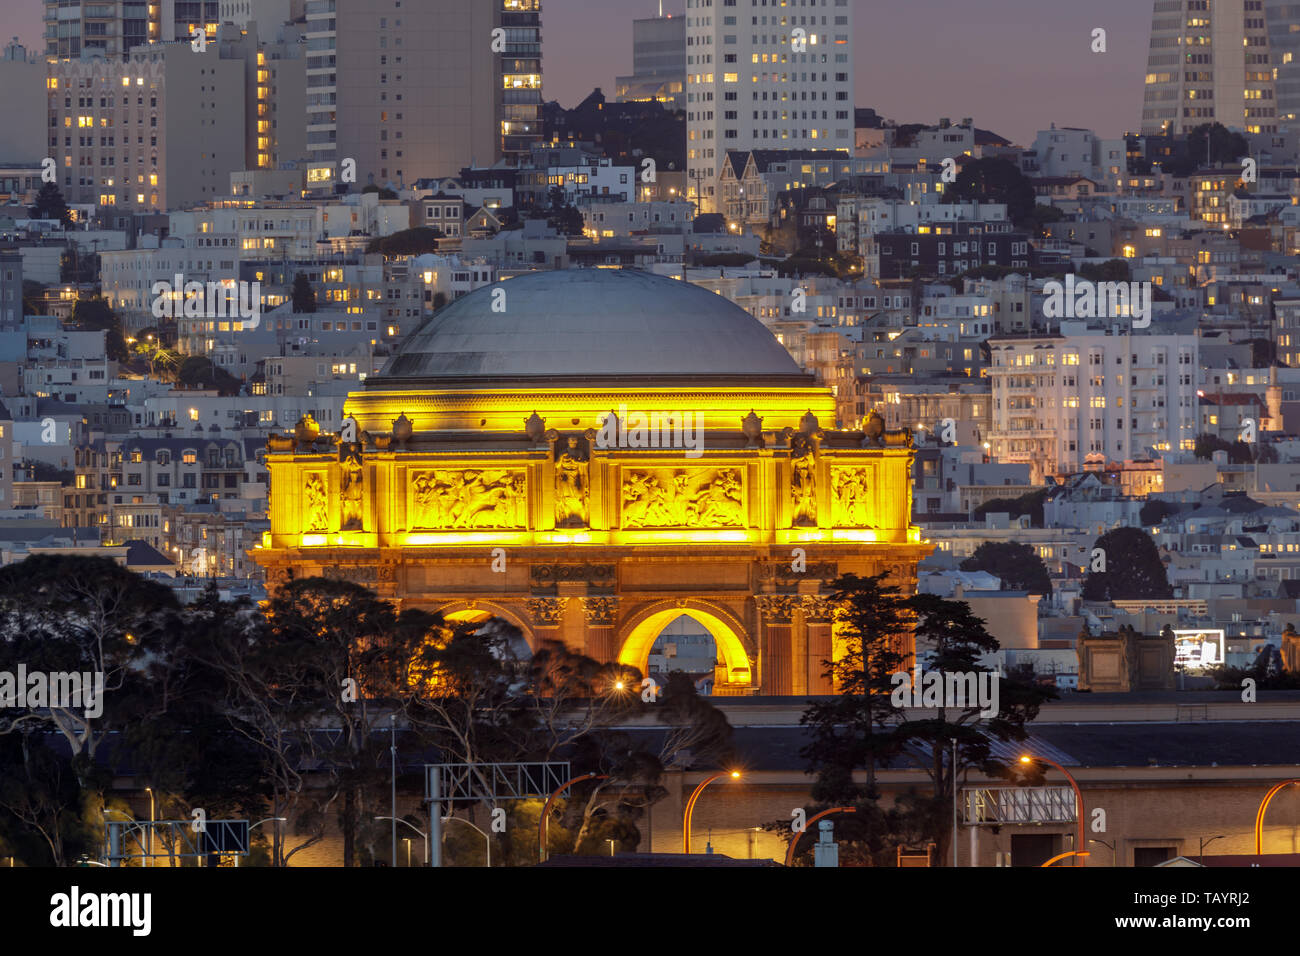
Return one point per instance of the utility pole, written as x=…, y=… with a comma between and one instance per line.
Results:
x=954, y=804
x=392, y=723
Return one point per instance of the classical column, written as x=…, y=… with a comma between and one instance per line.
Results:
x=600, y=613
x=777, y=611
x=818, y=612
x=547, y=614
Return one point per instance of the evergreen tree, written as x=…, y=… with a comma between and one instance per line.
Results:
x=304, y=296
x=1018, y=565
x=1133, y=568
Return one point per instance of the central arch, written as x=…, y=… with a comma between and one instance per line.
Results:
x=639, y=634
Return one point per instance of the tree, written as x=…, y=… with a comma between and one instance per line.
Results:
x=1225, y=148
x=1239, y=452
x=1263, y=352
x=49, y=204
x=84, y=615
x=1030, y=503
x=198, y=371
x=1155, y=511
x=408, y=242
x=304, y=296
x=1018, y=565
x=356, y=649
x=870, y=621
x=994, y=180
x=1133, y=569
x=1112, y=270
x=564, y=217
x=94, y=315
x=33, y=297
x=77, y=266
x=956, y=640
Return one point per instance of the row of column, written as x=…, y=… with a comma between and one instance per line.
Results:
x=796, y=641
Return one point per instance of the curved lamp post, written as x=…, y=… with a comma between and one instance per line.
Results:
x=690, y=805
x=789, y=851
x=543, y=824
x=252, y=828
x=1263, y=807
x=487, y=838
x=417, y=830
x=1078, y=812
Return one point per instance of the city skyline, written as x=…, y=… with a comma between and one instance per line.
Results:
x=994, y=64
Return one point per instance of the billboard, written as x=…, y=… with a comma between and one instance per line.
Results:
x=1196, y=650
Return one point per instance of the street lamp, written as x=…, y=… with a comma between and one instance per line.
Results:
x=1263, y=807
x=690, y=805
x=254, y=827
x=789, y=851
x=1078, y=797
x=472, y=827
x=152, y=818
x=543, y=824
x=1109, y=846
x=416, y=829
x=1205, y=843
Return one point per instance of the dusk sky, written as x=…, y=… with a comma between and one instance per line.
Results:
x=1013, y=65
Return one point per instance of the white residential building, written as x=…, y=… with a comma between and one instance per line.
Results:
x=1087, y=395
x=764, y=77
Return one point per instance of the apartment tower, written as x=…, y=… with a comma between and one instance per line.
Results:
x=764, y=74
x=412, y=90
x=1209, y=62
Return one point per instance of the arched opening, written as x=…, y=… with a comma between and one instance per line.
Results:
x=686, y=645
x=734, y=672
x=475, y=612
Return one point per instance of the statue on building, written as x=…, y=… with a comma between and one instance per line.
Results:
x=351, y=490
x=572, y=486
x=316, y=510
x=803, y=482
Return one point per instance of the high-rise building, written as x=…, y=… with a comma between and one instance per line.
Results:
x=1209, y=63
x=22, y=108
x=421, y=90
x=520, y=111
x=162, y=129
x=112, y=27
x=658, y=63
x=764, y=77
x=1283, y=18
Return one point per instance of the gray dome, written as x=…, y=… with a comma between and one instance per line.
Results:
x=585, y=323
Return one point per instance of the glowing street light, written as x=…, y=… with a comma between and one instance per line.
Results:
x=1263, y=808
x=690, y=805
x=1078, y=812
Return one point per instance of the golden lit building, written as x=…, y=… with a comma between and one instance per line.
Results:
x=590, y=455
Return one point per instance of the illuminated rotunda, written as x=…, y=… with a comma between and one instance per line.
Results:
x=486, y=476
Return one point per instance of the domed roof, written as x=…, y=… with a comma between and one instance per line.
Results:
x=585, y=323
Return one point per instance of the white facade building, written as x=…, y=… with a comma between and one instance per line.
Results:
x=760, y=76
x=1060, y=401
